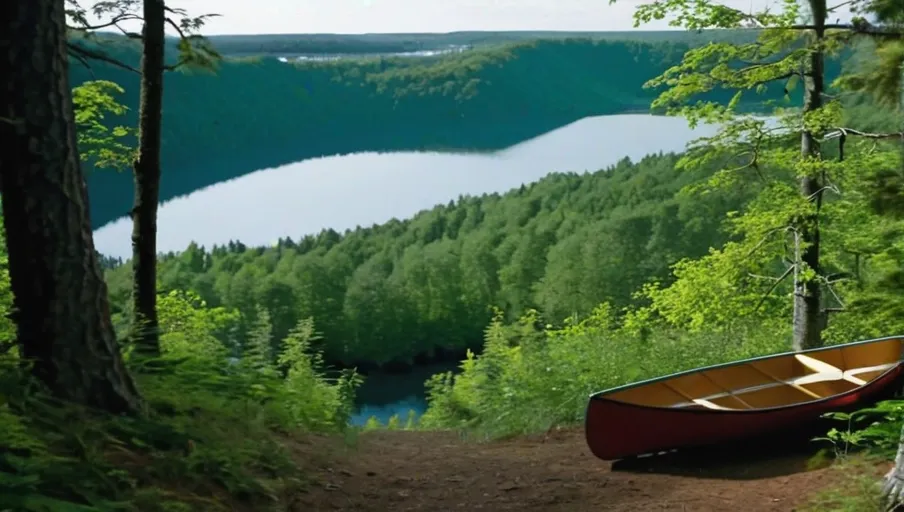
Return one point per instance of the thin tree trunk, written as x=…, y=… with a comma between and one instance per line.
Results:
x=807, y=317
x=893, y=486
x=147, y=182
x=62, y=311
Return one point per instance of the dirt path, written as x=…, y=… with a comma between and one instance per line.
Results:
x=425, y=471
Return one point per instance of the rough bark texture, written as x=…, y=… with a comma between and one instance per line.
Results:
x=807, y=320
x=147, y=182
x=893, y=487
x=62, y=315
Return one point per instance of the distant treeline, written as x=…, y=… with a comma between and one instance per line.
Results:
x=259, y=113
x=293, y=44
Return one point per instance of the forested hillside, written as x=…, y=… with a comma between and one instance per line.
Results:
x=360, y=44
x=422, y=287
x=256, y=114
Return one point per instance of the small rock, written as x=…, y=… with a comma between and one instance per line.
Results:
x=345, y=472
x=332, y=487
x=511, y=486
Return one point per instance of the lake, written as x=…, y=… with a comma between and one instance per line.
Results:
x=342, y=192
x=383, y=395
x=361, y=189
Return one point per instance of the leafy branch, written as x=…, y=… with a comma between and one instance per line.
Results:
x=194, y=49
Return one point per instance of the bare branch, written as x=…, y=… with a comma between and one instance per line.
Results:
x=832, y=291
x=757, y=276
x=772, y=288
x=844, y=132
x=113, y=22
x=839, y=6
x=81, y=53
x=176, y=26
x=84, y=61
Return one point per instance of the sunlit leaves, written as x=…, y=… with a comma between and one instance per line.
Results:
x=99, y=143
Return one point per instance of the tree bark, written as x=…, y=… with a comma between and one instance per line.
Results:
x=807, y=316
x=147, y=182
x=61, y=307
x=893, y=486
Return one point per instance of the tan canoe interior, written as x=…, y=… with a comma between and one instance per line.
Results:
x=772, y=382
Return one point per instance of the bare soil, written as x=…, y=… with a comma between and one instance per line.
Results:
x=437, y=471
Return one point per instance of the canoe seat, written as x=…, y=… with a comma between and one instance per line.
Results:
x=710, y=405
x=825, y=369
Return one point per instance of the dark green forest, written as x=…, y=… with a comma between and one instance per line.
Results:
x=262, y=113
x=421, y=288
x=363, y=44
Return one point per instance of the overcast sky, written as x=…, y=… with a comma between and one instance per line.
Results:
x=361, y=16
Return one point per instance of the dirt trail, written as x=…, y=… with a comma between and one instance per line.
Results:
x=431, y=471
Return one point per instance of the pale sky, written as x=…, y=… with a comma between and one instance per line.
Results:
x=362, y=16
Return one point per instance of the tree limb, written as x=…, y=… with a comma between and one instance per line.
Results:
x=82, y=54
x=177, y=27
x=114, y=21
x=844, y=132
x=772, y=288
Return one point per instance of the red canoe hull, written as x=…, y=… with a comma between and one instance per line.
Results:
x=616, y=430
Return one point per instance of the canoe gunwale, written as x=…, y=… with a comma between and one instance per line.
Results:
x=601, y=395
x=759, y=410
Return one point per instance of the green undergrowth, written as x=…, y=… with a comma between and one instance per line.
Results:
x=532, y=377
x=857, y=487
x=861, y=442
x=215, y=434
x=395, y=422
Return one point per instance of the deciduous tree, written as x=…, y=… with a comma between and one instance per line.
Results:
x=60, y=298
x=792, y=47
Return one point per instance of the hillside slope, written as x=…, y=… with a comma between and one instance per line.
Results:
x=407, y=289
x=254, y=115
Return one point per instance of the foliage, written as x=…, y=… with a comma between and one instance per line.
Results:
x=423, y=286
x=99, y=143
x=737, y=283
x=529, y=379
x=213, y=435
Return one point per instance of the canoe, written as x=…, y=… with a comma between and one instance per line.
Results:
x=735, y=401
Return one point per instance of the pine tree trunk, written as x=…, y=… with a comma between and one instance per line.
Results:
x=62, y=310
x=807, y=317
x=147, y=182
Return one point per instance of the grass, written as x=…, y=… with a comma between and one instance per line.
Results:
x=858, y=487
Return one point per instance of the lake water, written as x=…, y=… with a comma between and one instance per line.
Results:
x=342, y=192
x=384, y=395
